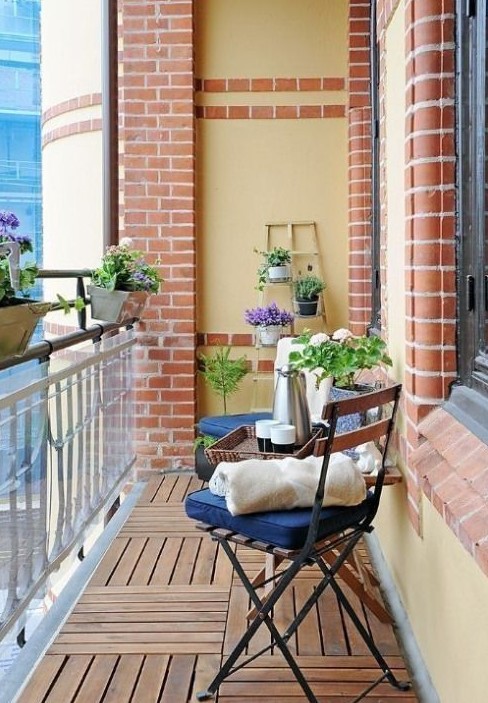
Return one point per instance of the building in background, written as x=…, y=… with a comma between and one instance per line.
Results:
x=20, y=115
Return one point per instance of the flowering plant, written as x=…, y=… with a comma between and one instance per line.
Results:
x=27, y=273
x=341, y=355
x=123, y=268
x=268, y=316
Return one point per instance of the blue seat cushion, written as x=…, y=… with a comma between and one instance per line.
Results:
x=220, y=425
x=282, y=528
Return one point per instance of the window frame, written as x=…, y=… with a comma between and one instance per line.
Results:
x=375, y=322
x=468, y=400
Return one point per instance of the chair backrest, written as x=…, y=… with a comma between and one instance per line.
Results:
x=379, y=431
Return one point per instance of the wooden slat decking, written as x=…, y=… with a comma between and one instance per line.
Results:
x=163, y=607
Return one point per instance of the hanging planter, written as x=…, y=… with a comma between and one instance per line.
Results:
x=18, y=321
x=275, y=266
x=307, y=290
x=268, y=336
x=307, y=308
x=278, y=274
x=122, y=284
x=116, y=305
x=269, y=322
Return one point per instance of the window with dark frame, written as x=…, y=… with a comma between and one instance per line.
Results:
x=375, y=325
x=469, y=396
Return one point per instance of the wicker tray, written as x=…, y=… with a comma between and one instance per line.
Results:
x=242, y=444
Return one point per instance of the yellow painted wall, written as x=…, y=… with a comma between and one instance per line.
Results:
x=71, y=166
x=250, y=172
x=443, y=590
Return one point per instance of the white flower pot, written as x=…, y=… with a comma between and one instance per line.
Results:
x=268, y=336
x=279, y=273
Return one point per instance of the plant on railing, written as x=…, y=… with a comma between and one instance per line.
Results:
x=122, y=283
x=123, y=268
x=27, y=273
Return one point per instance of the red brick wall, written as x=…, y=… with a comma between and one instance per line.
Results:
x=158, y=212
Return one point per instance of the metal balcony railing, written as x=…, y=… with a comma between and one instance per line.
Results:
x=66, y=452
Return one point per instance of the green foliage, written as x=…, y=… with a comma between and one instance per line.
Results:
x=66, y=305
x=123, y=268
x=204, y=440
x=308, y=287
x=222, y=373
x=278, y=256
x=28, y=274
x=341, y=358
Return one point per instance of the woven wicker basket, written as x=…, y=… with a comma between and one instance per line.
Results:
x=242, y=444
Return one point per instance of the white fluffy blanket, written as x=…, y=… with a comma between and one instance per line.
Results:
x=256, y=485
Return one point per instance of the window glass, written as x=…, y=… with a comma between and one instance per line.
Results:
x=20, y=116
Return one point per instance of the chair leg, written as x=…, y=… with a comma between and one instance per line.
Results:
x=368, y=640
x=261, y=618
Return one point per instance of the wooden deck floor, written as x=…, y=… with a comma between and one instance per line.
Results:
x=163, y=607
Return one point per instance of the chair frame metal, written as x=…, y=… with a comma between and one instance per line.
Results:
x=312, y=552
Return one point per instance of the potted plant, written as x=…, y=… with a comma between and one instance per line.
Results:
x=343, y=357
x=203, y=467
x=269, y=322
x=275, y=266
x=18, y=313
x=122, y=283
x=307, y=290
x=222, y=373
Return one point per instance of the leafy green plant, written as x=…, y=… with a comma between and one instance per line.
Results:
x=341, y=356
x=278, y=256
x=222, y=373
x=308, y=287
x=204, y=440
x=123, y=268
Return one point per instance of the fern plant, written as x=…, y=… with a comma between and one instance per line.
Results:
x=223, y=374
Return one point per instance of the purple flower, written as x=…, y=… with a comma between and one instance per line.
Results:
x=268, y=316
x=8, y=220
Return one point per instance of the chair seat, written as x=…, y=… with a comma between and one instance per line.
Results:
x=282, y=528
x=220, y=425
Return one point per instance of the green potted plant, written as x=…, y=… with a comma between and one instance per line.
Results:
x=343, y=357
x=275, y=266
x=18, y=313
x=269, y=322
x=203, y=467
x=122, y=283
x=223, y=374
x=307, y=289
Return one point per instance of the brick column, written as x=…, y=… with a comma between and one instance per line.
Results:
x=158, y=213
x=359, y=114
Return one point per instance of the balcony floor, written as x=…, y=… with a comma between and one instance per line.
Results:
x=162, y=607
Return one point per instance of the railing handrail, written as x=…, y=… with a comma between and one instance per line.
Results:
x=43, y=350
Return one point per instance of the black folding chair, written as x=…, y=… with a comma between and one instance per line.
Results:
x=303, y=537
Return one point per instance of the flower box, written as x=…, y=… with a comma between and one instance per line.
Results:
x=18, y=321
x=116, y=305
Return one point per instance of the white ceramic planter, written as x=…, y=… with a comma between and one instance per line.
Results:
x=277, y=274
